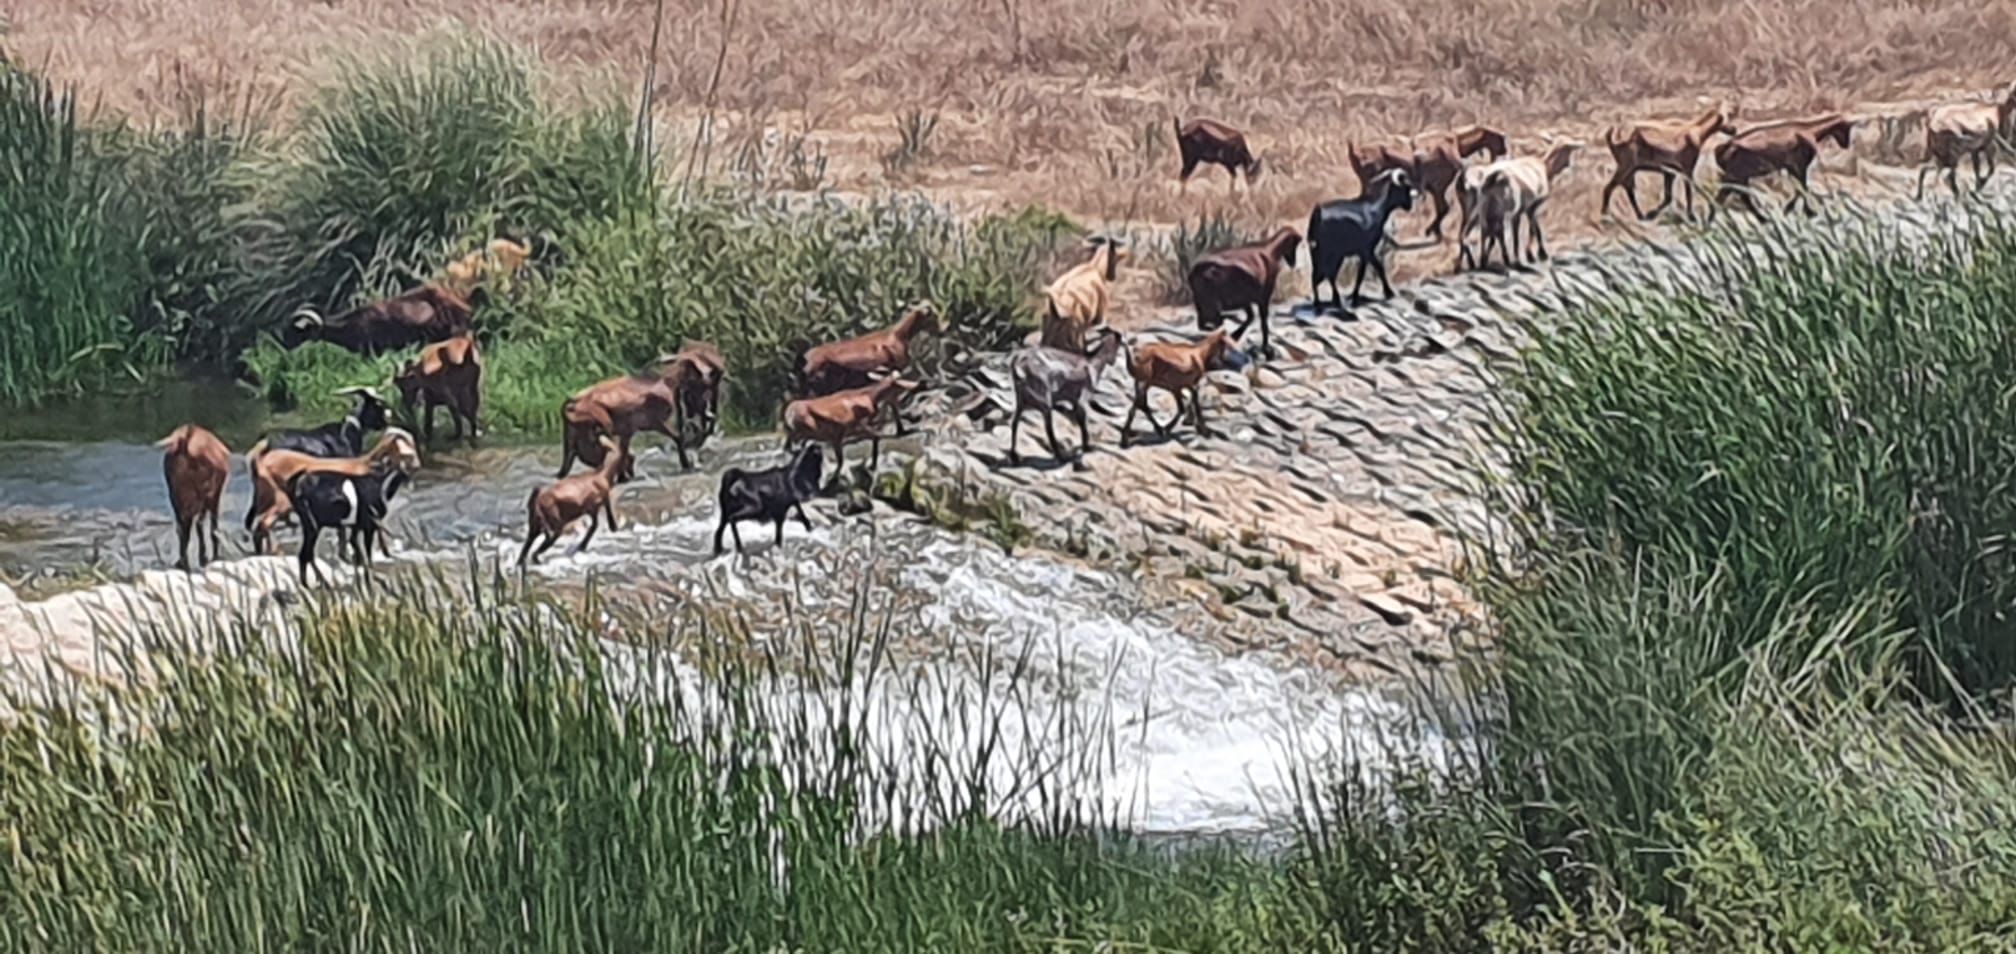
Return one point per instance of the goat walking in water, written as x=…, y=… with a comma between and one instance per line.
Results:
x=553, y=508
x=196, y=465
x=773, y=494
x=340, y=501
x=1047, y=377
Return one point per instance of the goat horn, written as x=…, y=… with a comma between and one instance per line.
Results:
x=313, y=317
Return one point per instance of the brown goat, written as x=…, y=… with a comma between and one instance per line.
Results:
x=1207, y=140
x=420, y=315
x=1242, y=278
x=854, y=362
x=501, y=258
x=1670, y=148
x=272, y=469
x=196, y=465
x=1789, y=147
x=1075, y=301
x=700, y=392
x=1958, y=130
x=843, y=416
x=446, y=374
x=624, y=407
x=553, y=508
x=1175, y=367
x=1433, y=161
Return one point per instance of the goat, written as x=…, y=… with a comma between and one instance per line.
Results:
x=1355, y=228
x=1242, y=278
x=1670, y=148
x=502, y=258
x=623, y=407
x=1434, y=161
x=773, y=494
x=422, y=315
x=272, y=469
x=1789, y=147
x=553, y=508
x=700, y=391
x=196, y=464
x=853, y=363
x=1046, y=377
x=1076, y=300
x=446, y=374
x=345, y=438
x=1175, y=367
x=1513, y=189
x=845, y=416
x=358, y=502
x=1965, y=129
x=1207, y=140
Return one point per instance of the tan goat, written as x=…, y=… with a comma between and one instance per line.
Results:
x=1670, y=148
x=843, y=416
x=1075, y=302
x=500, y=258
x=1789, y=147
x=552, y=509
x=1176, y=367
x=445, y=374
x=1514, y=189
x=1959, y=130
x=196, y=465
x=272, y=469
x=1434, y=161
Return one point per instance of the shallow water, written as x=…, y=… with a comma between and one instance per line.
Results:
x=1200, y=740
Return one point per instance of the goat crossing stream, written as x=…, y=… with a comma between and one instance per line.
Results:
x=1228, y=606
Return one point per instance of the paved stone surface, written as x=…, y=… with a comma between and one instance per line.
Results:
x=1328, y=506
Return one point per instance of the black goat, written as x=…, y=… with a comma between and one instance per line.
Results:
x=1354, y=228
x=772, y=493
x=345, y=438
x=1046, y=377
x=339, y=502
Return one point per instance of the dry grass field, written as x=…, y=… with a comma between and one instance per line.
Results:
x=1071, y=104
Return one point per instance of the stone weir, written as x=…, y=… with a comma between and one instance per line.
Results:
x=1326, y=514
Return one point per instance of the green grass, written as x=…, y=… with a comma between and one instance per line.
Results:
x=197, y=240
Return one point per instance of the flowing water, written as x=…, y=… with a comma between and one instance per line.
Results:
x=1201, y=740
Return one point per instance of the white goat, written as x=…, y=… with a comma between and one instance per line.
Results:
x=1515, y=188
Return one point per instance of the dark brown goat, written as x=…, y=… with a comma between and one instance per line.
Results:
x=422, y=315
x=1242, y=279
x=1789, y=147
x=855, y=362
x=1206, y=140
x=446, y=374
x=624, y=407
x=1433, y=162
x=700, y=392
x=196, y=464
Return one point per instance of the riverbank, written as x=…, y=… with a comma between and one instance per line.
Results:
x=1732, y=697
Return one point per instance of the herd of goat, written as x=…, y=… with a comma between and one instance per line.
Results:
x=327, y=478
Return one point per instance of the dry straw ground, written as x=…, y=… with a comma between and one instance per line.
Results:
x=1070, y=104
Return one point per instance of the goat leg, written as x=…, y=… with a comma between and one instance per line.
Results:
x=552, y=537
x=1050, y=431
x=1441, y=201
x=1667, y=200
x=216, y=543
x=1197, y=411
x=1380, y=267
x=427, y=422
x=798, y=507
x=594, y=524
x=780, y=533
x=609, y=509
x=182, y=539
x=1631, y=194
x=1015, y=435
x=1359, y=285
x=1539, y=240
x=1127, y=429
x=531, y=536
x=1084, y=429
x=723, y=525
